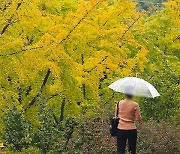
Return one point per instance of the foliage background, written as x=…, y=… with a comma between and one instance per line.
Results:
x=57, y=59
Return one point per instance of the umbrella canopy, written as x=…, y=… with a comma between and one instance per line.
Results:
x=134, y=86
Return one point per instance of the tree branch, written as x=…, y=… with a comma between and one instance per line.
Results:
x=125, y=32
x=55, y=119
x=69, y=136
x=177, y=38
x=40, y=91
x=110, y=98
x=129, y=27
x=9, y=22
x=96, y=65
x=23, y=50
x=52, y=96
x=45, y=79
x=62, y=110
x=84, y=17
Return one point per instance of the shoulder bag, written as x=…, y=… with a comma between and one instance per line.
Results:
x=114, y=122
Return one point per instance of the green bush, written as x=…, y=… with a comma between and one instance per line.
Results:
x=52, y=136
x=16, y=131
x=45, y=137
x=82, y=135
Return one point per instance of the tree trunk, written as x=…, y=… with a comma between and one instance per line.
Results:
x=62, y=110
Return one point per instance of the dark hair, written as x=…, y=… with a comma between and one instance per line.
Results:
x=129, y=96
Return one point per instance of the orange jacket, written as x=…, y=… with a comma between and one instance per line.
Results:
x=129, y=111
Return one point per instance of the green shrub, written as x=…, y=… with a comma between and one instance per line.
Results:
x=16, y=131
x=45, y=137
x=31, y=150
x=82, y=135
x=52, y=136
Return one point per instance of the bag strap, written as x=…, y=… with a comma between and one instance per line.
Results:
x=117, y=111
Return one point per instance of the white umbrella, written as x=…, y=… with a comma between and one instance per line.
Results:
x=134, y=86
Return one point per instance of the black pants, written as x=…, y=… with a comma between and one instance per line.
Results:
x=122, y=137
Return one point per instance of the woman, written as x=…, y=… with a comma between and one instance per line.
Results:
x=128, y=112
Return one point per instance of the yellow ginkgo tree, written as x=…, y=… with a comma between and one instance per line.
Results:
x=67, y=52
